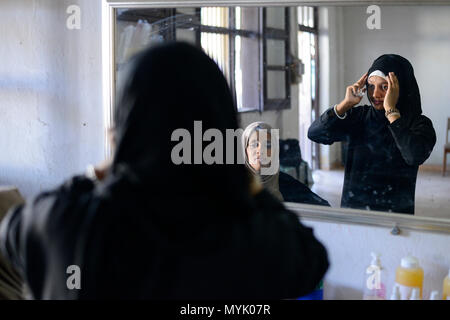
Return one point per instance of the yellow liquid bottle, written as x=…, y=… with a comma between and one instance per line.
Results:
x=446, y=287
x=408, y=277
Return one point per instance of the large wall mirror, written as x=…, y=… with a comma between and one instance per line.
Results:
x=288, y=66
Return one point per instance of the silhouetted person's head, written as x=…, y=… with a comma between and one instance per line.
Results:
x=168, y=87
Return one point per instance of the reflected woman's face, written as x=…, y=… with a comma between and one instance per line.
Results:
x=255, y=152
x=378, y=87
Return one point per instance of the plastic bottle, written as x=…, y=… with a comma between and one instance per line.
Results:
x=374, y=288
x=395, y=293
x=409, y=276
x=446, y=287
x=434, y=295
x=415, y=295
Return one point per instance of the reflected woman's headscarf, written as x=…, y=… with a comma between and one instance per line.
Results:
x=269, y=181
x=408, y=103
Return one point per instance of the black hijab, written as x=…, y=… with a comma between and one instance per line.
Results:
x=408, y=103
x=169, y=87
x=409, y=96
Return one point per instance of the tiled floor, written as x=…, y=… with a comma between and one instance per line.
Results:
x=432, y=191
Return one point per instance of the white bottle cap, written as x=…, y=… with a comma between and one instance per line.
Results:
x=415, y=294
x=410, y=262
x=434, y=295
x=395, y=293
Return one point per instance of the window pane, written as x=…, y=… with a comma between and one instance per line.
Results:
x=215, y=17
x=307, y=89
x=300, y=15
x=311, y=17
x=275, y=18
x=276, y=84
x=247, y=18
x=217, y=47
x=276, y=52
x=247, y=73
x=305, y=16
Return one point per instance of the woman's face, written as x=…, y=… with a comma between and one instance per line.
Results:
x=377, y=91
x=255, y=152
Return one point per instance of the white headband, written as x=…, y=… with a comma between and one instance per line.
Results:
x=377, y=73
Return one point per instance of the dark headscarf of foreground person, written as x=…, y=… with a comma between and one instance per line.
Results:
x=387, y=141
x=155, y=230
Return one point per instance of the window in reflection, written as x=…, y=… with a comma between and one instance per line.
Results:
x=215, y=17
x=249, y=45
x=308, y=111
x=276, y=57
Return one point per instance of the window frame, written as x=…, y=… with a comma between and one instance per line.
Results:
x=315, y=102
x=175, y=22
x=277, y=34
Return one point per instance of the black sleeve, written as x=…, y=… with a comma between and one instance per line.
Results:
x=293, y=190
x=328, y=128
x=415, y=142
x=32, y=234
x=11, y=282
x=10, y=229
x=306, y=258
x=302, y=259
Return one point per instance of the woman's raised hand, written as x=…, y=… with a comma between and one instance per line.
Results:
x=351, y=98
x=351, y=92
x=102, y=169
x=391, y=98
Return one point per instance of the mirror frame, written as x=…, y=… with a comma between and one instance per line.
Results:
x=309, y=212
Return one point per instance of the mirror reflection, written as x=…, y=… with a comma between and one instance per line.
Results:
x=386, y=140
x=259, y=151
x=358, y=98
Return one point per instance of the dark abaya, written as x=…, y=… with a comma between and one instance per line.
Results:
x=156, y=230
x=382, y=159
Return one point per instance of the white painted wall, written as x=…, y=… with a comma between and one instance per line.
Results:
x=331, y=80
x=419, y=33
x=349, y=247
x=51, y=118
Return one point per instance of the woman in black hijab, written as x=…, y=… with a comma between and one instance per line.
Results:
x=387, y=141
x=155, y=230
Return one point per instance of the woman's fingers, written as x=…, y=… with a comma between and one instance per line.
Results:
x=389, y=80
x=355, y=90
x=361, y=81
x=393, y=80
